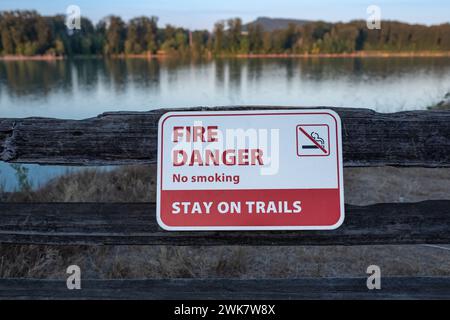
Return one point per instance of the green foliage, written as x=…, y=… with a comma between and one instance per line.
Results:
x=115, y=35
x=219, y=37
x=200, y=42
x=28, y=33
x=255, y=38
x=141, y=35
x=234, y=35
x=24, y=32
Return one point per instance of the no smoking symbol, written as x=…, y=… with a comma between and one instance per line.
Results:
x=313, y=140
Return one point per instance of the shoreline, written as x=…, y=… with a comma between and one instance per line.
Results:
x=359, y=54
x=31, y=58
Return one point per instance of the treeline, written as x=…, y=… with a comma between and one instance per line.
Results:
x=28, y=33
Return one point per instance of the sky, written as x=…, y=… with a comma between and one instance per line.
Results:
x=202, y=14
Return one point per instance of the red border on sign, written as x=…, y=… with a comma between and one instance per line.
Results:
x=313, y=155
x=161, y=154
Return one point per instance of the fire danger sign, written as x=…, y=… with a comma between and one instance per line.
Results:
x=250, y=170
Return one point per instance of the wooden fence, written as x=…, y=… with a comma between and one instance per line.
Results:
x=416, y=138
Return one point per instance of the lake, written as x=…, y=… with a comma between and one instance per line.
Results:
x=81, y=88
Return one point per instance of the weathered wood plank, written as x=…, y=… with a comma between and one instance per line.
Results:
x=267, y=289
x=135, y=223
x=416, y=138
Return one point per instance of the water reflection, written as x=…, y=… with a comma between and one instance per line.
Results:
x=82, y=88
x=220, y=72
x=35, y=78
x=255, y=69
x=86, y=87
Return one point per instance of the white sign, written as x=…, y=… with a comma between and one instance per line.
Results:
x=250, y=170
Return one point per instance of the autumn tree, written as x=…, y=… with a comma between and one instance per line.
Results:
x=234, y=35
x=219, y=37
x=28, y=33
x=115, y=35
x=255, y=38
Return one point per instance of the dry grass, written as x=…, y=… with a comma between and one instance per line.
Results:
x=124, y=184
x=137, y=183
x=365, y=186
x=109, y=262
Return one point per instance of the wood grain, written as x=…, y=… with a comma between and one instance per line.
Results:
x=413, y=138
x=266, y=289
x=135, y=224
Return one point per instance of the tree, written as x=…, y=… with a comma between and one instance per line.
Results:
x=267, y=42
x=115, y=35
x=289, y=38
x=255, y=38
x=200, y=41
x=219, y=37
x=132, y=44
x=59, y=47
x=234, y=34
x=43, y=35
x=151, y=31
x=28, y=33
x=141, y=35
x=7, y=42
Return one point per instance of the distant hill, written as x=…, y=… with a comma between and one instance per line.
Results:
x=271, y=24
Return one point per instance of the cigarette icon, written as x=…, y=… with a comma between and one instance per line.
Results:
x=318, y=142
x=313, y=140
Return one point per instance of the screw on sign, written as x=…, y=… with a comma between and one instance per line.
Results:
x=250, y=170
